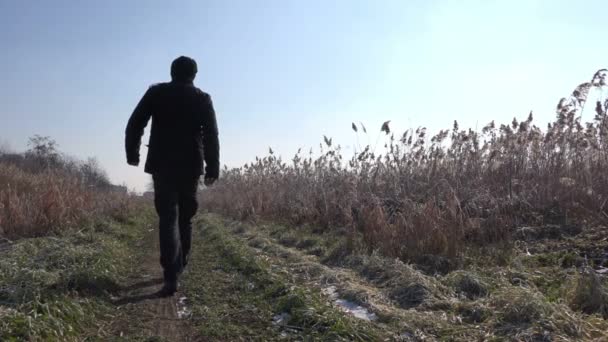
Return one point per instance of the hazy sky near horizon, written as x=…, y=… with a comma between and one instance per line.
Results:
x=283, y=73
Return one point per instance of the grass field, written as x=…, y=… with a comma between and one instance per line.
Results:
x=270, y=282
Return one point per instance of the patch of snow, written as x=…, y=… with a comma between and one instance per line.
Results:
x=281, y=319
x=182, y=309
x=331, y=292
x=356, y=310
x=347, y=306
x=602, y=270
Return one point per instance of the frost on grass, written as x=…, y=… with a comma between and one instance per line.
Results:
x=406, y=286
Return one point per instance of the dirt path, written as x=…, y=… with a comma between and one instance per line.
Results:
x=142, y=313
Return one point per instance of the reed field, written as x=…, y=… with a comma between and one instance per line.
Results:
x=437, y=195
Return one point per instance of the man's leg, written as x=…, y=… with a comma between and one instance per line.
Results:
x=166, y=201
x=188, y=206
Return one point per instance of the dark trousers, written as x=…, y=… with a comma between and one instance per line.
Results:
x=176, y=204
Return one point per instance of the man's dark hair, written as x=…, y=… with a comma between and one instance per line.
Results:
x=183, y=69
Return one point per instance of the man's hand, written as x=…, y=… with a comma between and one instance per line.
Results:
x=209, y=181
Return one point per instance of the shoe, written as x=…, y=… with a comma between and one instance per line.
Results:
x=168, y=289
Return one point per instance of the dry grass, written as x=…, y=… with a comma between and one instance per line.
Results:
x=467, y=284
x=589, y=295
x=431, y=196
x=34, y=204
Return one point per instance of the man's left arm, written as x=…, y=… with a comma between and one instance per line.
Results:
x=135, y=128
x=211, y=144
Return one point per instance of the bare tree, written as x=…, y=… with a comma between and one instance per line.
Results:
x=43, y=151
x=93, y=174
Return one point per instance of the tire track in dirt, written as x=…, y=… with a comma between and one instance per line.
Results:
x=345, y=285
x=306, y=269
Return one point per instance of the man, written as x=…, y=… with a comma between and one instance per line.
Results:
x=183, y=139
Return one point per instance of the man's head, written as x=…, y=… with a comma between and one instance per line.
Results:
x=183, y=69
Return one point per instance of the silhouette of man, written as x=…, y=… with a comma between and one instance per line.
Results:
x=183, y=146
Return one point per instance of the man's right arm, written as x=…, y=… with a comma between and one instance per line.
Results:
x=135, y=128
x=211, y=145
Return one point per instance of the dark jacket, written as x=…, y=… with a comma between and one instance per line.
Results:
x=184, y=131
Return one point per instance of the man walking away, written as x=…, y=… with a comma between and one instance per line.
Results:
x=183, y=142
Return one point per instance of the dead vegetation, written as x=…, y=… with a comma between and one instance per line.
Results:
x=421, y=196
x=42, y=191
x=590, y=295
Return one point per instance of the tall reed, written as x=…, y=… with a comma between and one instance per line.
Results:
x=432, y=196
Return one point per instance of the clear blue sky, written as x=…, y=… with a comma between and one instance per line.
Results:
x=283, y=73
